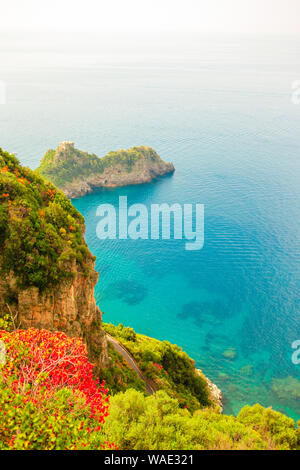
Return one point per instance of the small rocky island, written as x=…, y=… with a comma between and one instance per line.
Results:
x=78, y=173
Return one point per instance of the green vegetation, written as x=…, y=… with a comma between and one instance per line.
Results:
x=41, y=233
x=61, y=422
x=169, y=427
x=65, y=164
x=166, y=366
x=119, y=376
x=272, y=425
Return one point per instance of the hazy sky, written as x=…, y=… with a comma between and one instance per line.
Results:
x=262, y=16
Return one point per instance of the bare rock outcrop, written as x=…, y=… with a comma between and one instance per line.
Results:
x=216, y=395
x=69, y=307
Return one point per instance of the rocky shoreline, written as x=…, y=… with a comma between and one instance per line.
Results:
x=115, y=179
x=215, y=392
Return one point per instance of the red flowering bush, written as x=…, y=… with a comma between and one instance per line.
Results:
x=49, y=398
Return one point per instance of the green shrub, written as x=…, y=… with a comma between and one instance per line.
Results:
x=50, y=425
x=168, y=427
x=41, y=233
x=119, y=376
x=166, y=365
x=272, y=425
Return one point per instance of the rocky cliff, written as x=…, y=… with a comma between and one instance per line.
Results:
x=77, y=173
x=69, y=307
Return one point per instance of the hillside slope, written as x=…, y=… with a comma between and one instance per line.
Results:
x=163, y=366
x=77, y=173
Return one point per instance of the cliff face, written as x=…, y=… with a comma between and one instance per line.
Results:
x=78, y=173
x=215, y=393
x=47, y=273
x=70, y=307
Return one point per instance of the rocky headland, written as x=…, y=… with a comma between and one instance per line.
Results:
x=78, y=173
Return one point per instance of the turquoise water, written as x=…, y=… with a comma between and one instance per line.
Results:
x=220, y=108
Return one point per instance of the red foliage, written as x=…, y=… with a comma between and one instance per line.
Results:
x=40, y=362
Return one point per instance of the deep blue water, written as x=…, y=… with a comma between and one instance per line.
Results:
x=220, y=108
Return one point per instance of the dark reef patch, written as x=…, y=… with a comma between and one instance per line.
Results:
x=203, y=312
x=130, y=292
x=211, y=339
x=104, y=269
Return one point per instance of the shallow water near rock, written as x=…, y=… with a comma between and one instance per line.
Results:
x=223, y=114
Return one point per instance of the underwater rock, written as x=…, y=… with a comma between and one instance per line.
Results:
x=130, y=292
x=230, y=353
x=287, y=389
x=201, y=312
x=223, y=376
x=247, y=370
